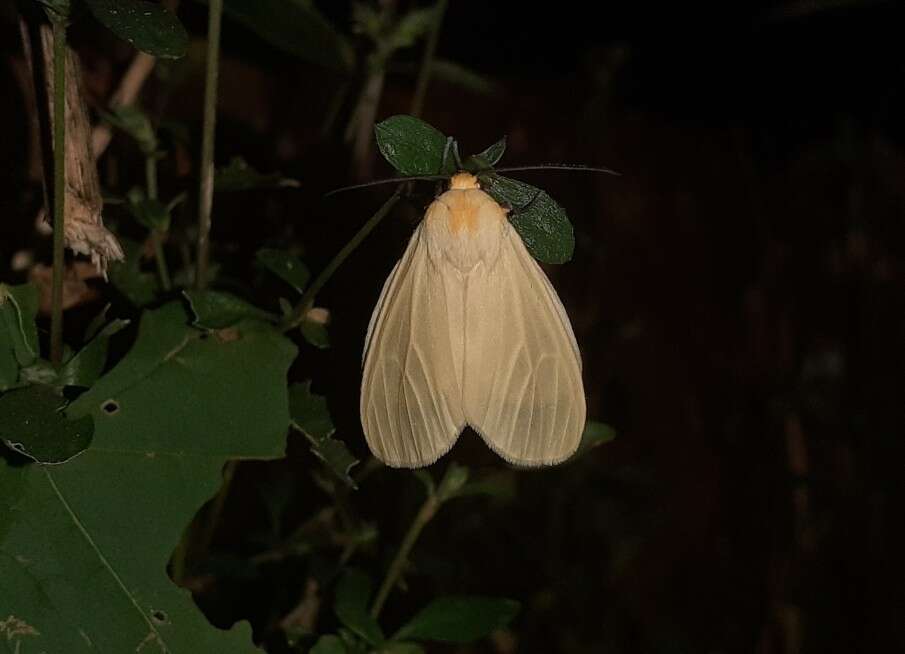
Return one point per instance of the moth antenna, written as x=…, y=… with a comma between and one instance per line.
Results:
x=576, y=167
x=391, y=180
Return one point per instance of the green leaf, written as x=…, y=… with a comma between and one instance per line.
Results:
x=316, y=334
x=310, y=416
x=397, y=647
x=286, y=266
x=329, y=644
x=18, y=309
x=540, y=221
x=297, y=28
x=459, y=619
x=127, y=277
x=455, y=73
x=351, y=606
x=134, y=122
x=408, y=29
x=487, y=159
x=146, y=25
x=87, y=364
x=218, y=310
x=35, y=425
x=166, y=418
x=239, y=176
x=594, y=435
x=149, y=212
x=57, y=10
x=453, y=480
x=411, y=146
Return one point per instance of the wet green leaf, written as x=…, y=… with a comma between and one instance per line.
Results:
x=146, y=25
x=34, y=424
x=459, y=619
x=286, y=266
x=540, y=221
x=166, y=418
x=218, y=309
x=351, y=606
x=239, y=176
x=412, y=146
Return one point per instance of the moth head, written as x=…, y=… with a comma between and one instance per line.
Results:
x=463, y=180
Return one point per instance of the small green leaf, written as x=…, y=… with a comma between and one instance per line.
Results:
x=594, y=435
x=127, y=277
x=455, y=73
x=34, y=425
x=408, y=29
x=134, y=122
x=146, y=25
x=309, y=412
x=149, y=212
x=18, y=309
x=239, y=176
x=459, y=619
x=540, y=221
x=411, y=146
x=218, y=309
x=297, y=28
x=84, y=368
x=453, y=480
x=487, y=159
x=329, y=644
x=286, y=266
x=316, y=334
x=351, y=606
x=337, y=457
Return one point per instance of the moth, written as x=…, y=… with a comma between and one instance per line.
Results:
x=469, y=331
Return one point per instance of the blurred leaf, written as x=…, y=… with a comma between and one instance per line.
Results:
x=422, y=475
x=149, y=212
x=411, y=146
x=454, y=73
x=395, y=647
x=140, y=288
x=500, y=485
x=408, y=29
x=351, y=606
x=329, y=645
x=239, y=176
x=165, y=419
x=18, y=310
x=218, y=309
x=540, y=221
x=459, y=619
x=297, y=28
x=309, y=412
x=146, y=25
x=57, y=10
x=134, y=122
x=316, y=334
x=595, y=434
x=453, y=480
x=87, y=364
x=487, y=159
x=286, y=266
x=35, y=425
x=337, y=457
x=40, y=371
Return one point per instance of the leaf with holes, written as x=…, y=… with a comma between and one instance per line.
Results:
x=540, y=221
x=35, y=425
x=146, y=25
x=166, y=419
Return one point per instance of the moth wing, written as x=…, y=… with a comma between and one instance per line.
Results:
x=522, y=385
x=411, y=409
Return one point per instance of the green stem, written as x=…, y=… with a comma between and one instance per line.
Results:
x=157, y=237
x=424, y=74
x=297, y=316
x=206, y=198
x=59, y=190
x=424, y=515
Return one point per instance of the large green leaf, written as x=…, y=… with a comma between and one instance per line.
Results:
x=296, y=27
x=147, y=25
x=34, y=425
x=412, y=146
x=18, y=309
x=84, y=546
x=539, y=220
x=459, y=619
x=351, y=606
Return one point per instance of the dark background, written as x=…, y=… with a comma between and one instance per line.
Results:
x=738, y=295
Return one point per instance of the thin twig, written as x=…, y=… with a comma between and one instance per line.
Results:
x=126, y=93
x=59, y=190
x=206, y=198
x=297, y=316
x=424, y=74
x=156, y=237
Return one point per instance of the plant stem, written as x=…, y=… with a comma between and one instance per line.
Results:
x=424, y=515
x=206, y=198
x=59, y=190
x=424, y=74
x=301, y=309
x=156, y=237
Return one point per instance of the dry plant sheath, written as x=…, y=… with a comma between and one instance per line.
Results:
x=469, y=330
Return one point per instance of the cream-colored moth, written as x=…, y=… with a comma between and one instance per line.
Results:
x=469, y=331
